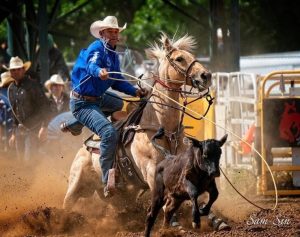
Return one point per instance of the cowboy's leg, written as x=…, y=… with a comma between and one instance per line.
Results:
x=72, y=125
x=110, y=103
x=92, y=117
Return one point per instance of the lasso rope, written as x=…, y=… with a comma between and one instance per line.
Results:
x=225, y=129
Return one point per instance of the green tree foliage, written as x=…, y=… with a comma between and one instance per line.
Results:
x=265, y=25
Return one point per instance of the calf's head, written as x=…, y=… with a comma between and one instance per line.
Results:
x=207, y=155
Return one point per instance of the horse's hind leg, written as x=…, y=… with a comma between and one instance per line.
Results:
x=72, y=193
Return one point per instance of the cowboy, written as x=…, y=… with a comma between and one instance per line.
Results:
x=59, y=100
x=30, y=108
x=90, y=102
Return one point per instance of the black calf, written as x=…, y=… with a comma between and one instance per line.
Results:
x=185, y=177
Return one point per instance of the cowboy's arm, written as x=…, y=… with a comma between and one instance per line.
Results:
x=123, y=85
x=94, y=59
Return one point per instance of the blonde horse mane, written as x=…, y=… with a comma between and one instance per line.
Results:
x=156, y=51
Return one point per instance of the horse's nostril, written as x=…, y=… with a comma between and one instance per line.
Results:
x=206, y=75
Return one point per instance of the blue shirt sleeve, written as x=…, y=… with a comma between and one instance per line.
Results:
x=125, y=87
x=94, y=59
x=122, y=86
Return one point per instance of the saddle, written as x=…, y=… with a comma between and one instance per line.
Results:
x=124, y=164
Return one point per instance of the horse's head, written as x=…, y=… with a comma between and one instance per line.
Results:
x=177, y=65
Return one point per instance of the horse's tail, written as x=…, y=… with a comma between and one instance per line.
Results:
x=159, y=134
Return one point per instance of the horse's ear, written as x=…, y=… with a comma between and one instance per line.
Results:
x=167, y=44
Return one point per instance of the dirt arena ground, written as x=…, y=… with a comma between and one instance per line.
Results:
x=32, y=195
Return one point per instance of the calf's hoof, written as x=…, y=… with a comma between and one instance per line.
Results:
x=174, y=221
x=195, y=225
x=203, y=212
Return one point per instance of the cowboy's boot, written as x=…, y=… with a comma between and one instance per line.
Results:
x=74, y=127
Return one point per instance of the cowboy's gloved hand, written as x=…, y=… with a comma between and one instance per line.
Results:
x=103, y=74
x=141, y=92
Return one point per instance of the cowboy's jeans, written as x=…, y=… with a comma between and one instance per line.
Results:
x=93, y=116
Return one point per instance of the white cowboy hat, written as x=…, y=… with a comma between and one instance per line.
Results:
x=54, y=79
x=109, y=22
x=16, y=62
x=6, y=79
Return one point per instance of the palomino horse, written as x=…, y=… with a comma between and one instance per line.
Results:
x=176, y=67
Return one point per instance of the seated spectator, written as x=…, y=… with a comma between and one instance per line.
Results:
x=59, y=101
x=6, y=116
x=6, y=80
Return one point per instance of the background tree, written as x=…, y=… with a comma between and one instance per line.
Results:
x=265, y=25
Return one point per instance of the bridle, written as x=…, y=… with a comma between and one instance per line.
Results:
x=183, y=72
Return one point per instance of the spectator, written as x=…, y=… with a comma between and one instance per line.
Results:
x=30, y=108
x=57, y=64
x=59, y=101
x=6, y=116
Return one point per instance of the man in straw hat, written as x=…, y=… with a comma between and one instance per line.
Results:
x=59, y=101
x=90, y=102
x=6, y=80
x=30, y=108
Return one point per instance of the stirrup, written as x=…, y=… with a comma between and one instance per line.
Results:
x=64, y=128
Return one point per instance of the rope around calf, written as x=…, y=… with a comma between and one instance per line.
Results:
x=238, y=137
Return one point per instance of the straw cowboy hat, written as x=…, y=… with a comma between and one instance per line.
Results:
x=54, y=79
x=109, y=22
x=6, y=79
x=16, y=62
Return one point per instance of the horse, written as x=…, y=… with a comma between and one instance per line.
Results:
x=176, y=67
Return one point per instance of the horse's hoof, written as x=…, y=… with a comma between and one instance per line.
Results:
x=223, y=226
x=195, y=225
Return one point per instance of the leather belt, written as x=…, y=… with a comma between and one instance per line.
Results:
x=85, y=97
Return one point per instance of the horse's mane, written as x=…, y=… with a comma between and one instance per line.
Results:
x=187, y=43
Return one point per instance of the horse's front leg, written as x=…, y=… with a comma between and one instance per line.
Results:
x=213, y=195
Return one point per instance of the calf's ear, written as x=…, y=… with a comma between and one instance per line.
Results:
x=223, y=140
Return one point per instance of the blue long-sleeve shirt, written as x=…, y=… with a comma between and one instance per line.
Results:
x=88, y=65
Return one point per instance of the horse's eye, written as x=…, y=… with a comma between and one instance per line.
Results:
x=179, y=59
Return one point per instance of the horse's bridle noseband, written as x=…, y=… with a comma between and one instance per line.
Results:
x=185, y=73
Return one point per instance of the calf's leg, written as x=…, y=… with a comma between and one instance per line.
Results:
x=172, y=204
x=193, y=194
x=156, y=204
x=213, y=195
